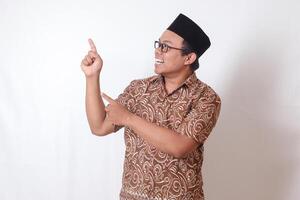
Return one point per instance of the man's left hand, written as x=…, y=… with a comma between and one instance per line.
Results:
x=116, y=113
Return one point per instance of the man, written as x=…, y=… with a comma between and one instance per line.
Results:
x=167, y=117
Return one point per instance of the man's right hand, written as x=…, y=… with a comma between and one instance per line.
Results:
x=92, y=63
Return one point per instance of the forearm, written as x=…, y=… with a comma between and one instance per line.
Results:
x=94, y=104
x=164, y=139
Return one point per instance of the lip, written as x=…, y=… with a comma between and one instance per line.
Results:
x=158, y=61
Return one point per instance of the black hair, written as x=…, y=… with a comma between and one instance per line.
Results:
x=187, y=49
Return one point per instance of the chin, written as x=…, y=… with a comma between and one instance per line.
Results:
x=158, y=69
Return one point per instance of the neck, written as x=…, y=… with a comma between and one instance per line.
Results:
x=173, y=81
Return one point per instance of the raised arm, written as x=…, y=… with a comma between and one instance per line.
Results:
x=91, y=65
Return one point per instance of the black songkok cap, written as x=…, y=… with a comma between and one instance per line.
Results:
x=190, y=32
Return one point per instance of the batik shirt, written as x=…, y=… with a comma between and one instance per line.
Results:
x=192, y=110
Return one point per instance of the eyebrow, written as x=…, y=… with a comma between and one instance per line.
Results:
x=166, y=41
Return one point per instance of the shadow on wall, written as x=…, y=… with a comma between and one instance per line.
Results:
x=252, y=152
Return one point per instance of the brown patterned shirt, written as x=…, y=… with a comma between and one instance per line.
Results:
x=192, y=110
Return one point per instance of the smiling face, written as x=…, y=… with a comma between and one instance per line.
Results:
x=172, y=61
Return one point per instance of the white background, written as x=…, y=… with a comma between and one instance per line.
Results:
x=46, y=148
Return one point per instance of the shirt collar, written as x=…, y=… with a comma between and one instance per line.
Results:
x=190, y=81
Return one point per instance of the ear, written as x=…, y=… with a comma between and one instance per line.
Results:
x=190, y=58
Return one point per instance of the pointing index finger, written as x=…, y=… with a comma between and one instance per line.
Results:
x=92, y=45
x=107, y=98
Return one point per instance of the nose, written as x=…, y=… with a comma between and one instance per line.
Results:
x=158, y=51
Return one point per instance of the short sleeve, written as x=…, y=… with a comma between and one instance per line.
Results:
x=128, y=98
x=202, y=117
x=129, y=95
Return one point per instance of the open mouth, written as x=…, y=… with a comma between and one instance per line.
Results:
x=158, y=61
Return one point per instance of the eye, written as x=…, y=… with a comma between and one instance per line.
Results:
x=164, y=46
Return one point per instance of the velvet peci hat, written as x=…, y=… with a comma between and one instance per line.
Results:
x=190, y=32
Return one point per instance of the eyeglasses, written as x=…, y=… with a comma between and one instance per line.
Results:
x=164, y=47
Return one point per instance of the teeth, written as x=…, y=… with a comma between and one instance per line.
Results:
x=158, y=61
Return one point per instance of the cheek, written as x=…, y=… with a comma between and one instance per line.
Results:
x=174, y=60
x=174, y=57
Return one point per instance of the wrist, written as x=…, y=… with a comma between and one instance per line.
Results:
x=129, y=120
x=94, y=78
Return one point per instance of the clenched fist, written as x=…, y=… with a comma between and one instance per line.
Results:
x=92, y=63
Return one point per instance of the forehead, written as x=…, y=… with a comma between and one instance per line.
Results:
x=170, y=37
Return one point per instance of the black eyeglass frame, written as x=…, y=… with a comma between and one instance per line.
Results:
x=158, y=44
